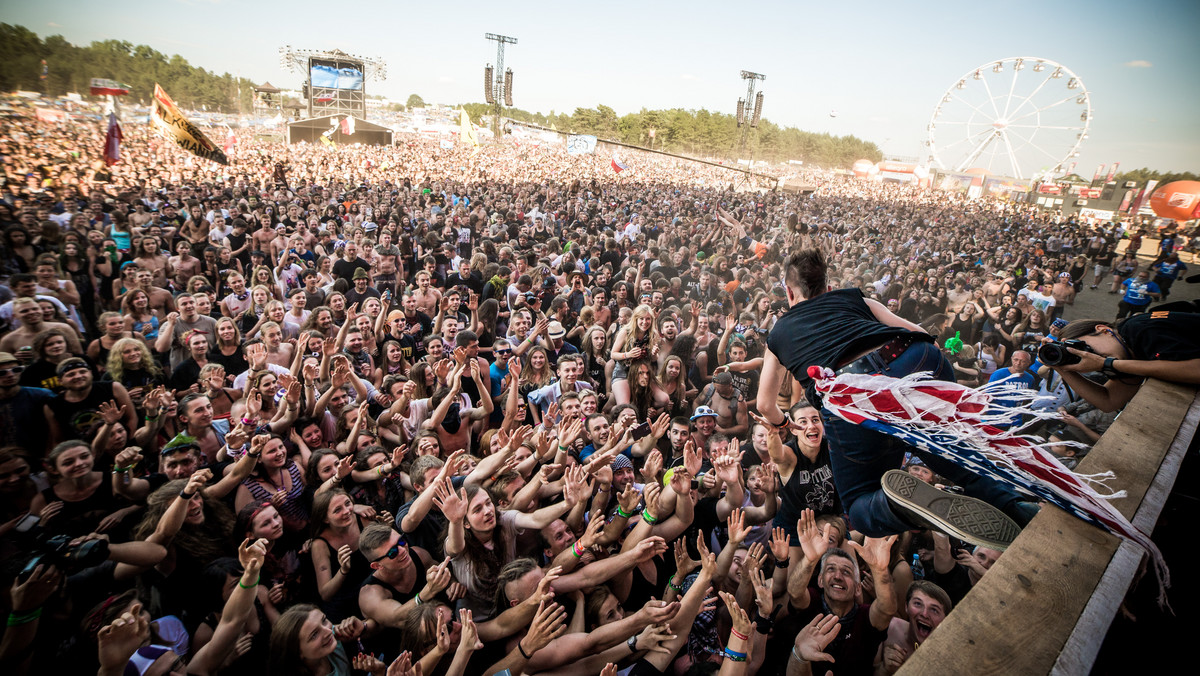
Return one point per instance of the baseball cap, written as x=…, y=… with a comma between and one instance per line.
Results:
x=722, y=378
x=704, y=412
x=557, y=330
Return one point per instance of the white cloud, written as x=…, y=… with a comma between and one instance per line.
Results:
x=689, y=77
x=51, y=24
x=1140, y=63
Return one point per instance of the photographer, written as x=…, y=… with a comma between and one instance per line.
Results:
x=1159, y=345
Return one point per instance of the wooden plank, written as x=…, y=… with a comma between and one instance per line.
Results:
x=1079, y=652
x=1018, y=619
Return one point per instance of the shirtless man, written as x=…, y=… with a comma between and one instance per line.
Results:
x=733, y=418
x=279, y=353
x=161, y=301
x=927, y=605
x=263, y=238
x=29, y=312
x=426, y=296
x=183, y=266
x=449, y=418
x=139, y=218
x=149, y=257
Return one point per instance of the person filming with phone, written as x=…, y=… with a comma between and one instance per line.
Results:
x=1159, y=345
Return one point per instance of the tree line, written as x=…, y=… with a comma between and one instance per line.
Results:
x=70, y=68
x=698, y=133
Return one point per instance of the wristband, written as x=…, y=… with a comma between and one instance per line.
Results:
x=248, y=422
x=576, y=550
x=735, y=656
x=764, y=625
x=783, y=425
x=122, y=470
x=153, y=417
x=250, y=586
x=622, y=513
x=17, y=619
x=418, y=598
x=739, y=634
x=523, y=653
x=254, y=455
x=783, y=563
x=649, y=519
x=672, y=585
x=183, y=494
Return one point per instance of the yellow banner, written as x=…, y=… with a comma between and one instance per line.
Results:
x=466, y=133
x=172, y=124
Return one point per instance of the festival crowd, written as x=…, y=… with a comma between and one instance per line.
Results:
x=414, y=410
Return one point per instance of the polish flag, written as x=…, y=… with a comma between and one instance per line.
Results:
x=617, y=165
x=348, y=125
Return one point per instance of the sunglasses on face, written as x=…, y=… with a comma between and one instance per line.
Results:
x=391, y=553
x=501, y=353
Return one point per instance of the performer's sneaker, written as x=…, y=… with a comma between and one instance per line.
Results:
x=965, y=518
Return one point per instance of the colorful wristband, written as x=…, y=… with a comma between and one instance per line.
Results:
x=622, y=513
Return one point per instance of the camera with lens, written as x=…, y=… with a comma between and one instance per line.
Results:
x=58, y=551
x=1057, y=354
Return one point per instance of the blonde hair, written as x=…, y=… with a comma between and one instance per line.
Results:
x=116, y=364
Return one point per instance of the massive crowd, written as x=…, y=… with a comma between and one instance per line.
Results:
x=416, y=410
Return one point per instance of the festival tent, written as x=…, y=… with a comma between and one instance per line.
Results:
x=313, y=129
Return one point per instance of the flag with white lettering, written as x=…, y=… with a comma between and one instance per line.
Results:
x=173, y=125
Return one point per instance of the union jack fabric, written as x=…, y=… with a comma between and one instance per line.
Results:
x=959, y=424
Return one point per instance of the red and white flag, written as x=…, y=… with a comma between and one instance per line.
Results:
x=348, y=125
x=112, y=141
x=230, y=142
x=617, y=165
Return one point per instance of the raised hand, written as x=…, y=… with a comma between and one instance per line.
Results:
x=470, y=634
x=737, y=527
x=549, y=623
x=452, y=505
x=816, y=636
x=763, y=596
x=780, y=544
x=111, y=413
x=741, y=621
x=649, y=548
x=684, y=563
x=692, y=460
x=813, y=541
x=875, y=552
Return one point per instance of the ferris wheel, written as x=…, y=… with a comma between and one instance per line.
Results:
x=1020, y=116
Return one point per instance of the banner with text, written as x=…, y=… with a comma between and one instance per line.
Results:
x=172, y=124
x=581, y=144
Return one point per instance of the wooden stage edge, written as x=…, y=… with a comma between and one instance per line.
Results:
x=1045, y=607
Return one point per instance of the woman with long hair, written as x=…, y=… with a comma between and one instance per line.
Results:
x=596, y=364
x=338, y=568
x=484, y=324
x=138, y=315
x=424, y=379
x=80, y=499
x=645, y=395
x=79, y=264
x=672, y=378
x=227, y=350
x=638, y=339
x=276, y=479
x=131, y=364
x=305, y=643
x=252, y=319
x=391, y=362
x=1030, y=332
x=51, y=348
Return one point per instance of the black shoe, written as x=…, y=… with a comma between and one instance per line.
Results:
x=965, y=518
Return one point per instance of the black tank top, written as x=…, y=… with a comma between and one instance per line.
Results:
x=825, y=330
x=390, y=639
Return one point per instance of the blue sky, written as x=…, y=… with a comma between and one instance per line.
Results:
x=881, y=65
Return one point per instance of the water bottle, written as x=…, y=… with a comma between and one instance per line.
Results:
x=918, y=569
